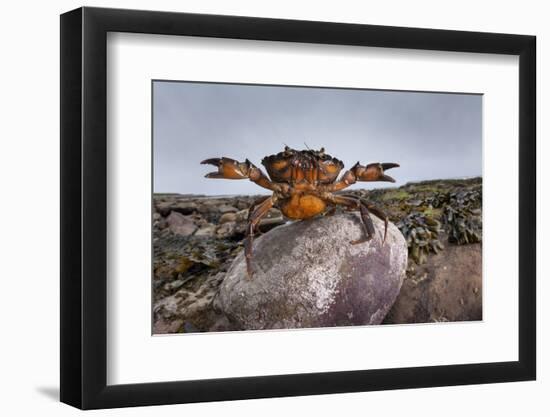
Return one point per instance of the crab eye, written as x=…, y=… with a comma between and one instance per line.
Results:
x=322, y=150
x=287, y=148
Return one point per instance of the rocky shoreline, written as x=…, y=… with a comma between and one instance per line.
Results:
x=196, y=239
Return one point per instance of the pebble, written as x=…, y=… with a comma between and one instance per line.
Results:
x=207, y=231
x=228, y=217
x=225, y=208
x=180, y=224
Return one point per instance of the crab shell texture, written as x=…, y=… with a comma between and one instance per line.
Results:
x=294, y=167
x=303, y=170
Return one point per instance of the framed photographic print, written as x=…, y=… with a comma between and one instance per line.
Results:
x=300, y=207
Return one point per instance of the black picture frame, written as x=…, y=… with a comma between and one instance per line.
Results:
x=84, y=207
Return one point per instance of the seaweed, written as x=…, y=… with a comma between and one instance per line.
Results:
x=463, y=224
x=421, y=234
x=462, y=216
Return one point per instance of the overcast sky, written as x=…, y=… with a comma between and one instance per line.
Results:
x=431, y=135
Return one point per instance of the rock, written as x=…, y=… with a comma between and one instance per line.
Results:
x=163, y=207
x=241, y=216
x=159, y=224
x=199, y=220
x=180, y=224
x=226, y=208
x=226, y=229
x=174, y=285
x=242, y=204
x=228, y=217
x=162, y=326
x=189, y=328
x=190, y=306
x=307, y=274
x=447, y=287
x=208, y=230
x=185, y=207
x=268, y=224
x=274, y=213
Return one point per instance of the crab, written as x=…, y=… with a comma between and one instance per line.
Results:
x=303, y=185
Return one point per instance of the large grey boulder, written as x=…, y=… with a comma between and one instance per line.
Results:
x=307, y=274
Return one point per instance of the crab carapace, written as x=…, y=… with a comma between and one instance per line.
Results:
x=303, y=185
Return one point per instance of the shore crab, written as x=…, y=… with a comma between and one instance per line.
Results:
x=303, y=184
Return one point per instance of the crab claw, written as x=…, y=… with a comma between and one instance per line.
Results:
x=228, y=168
x=374, y=172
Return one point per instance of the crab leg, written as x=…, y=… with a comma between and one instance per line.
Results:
x=255, y=214
x=234, y=170
x=367, y=225
x=382, y=216
x=374, y=172
x=371, y=172
x=259, y=201
x=364, y=210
